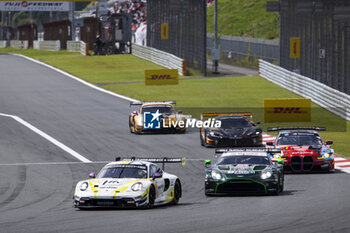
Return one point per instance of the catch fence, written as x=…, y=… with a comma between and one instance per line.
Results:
x=179, y=27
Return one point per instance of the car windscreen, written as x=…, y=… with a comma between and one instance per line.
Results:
x=246, y=159
x=126, y=171
x=162, y=109
x=299, y=140
x=235, y=123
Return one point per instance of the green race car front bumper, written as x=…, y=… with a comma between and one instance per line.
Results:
x=240, y=186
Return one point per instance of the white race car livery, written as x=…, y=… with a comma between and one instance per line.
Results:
x=130, y=183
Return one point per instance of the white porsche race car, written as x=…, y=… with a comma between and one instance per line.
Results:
x=129, y=183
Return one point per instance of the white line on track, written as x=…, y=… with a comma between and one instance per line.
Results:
x=50, y=163
x=68, y=163
x=76, y=78
x=48, y=137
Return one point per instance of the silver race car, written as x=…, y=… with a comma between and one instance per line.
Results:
x=130, y=183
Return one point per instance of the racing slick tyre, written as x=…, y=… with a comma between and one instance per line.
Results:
x=130, y=126
x=131, y=131
x=202, y=141
x=282, y=186
x=151, y=197
x=278, y=188
x=177, y=192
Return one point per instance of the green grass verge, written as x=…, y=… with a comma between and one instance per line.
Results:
x=247, y=18
x=94, y=69
x=232, y=94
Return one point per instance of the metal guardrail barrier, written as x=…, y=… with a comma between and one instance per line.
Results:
x=19, y=44
x=160, y=58
x=54, y=45
x=333, y=100
x=78, y=46
x=3, y=44
x=234, y=47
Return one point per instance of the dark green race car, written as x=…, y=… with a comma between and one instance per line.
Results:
x=246, y=170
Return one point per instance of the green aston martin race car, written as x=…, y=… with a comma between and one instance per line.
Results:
x=244, y=170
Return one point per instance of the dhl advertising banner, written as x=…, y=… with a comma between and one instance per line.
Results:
x=294, y=48
x=287, y=110
x=161, y=77
x=165, y=31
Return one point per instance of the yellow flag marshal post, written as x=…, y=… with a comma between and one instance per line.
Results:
x=161, y=77
x=287, y=110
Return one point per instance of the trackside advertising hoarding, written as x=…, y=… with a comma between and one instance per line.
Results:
x=161, y=77
x=287, y=110
x=33, y=6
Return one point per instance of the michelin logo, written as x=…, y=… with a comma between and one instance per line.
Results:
x=151, y=120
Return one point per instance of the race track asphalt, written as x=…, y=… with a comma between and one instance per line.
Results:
x=38, y=198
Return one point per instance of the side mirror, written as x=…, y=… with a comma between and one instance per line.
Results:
x=329, y=142
x=92, y=175
x=135, y=112
x=269, y=143
x=207, y=163
x=157, y=175
x=179, y=111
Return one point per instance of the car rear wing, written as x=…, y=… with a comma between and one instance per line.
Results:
x=227, y=113
x=297, y=128
x=154, y=102
x=249, y=149
x=163, y=160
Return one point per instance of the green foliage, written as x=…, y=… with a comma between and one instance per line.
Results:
x=246, y=18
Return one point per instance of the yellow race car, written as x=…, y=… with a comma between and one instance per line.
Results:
x=155, y=117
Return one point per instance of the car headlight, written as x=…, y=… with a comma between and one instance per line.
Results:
x=84, y=186
x=137, y=187
x=139, y=121
x=257, y=132
x=324, y=156
x=277, y=156
x=216, y=175
x=266, y=174
x=215, y=134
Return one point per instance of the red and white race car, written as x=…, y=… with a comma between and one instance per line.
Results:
x=303, y=149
